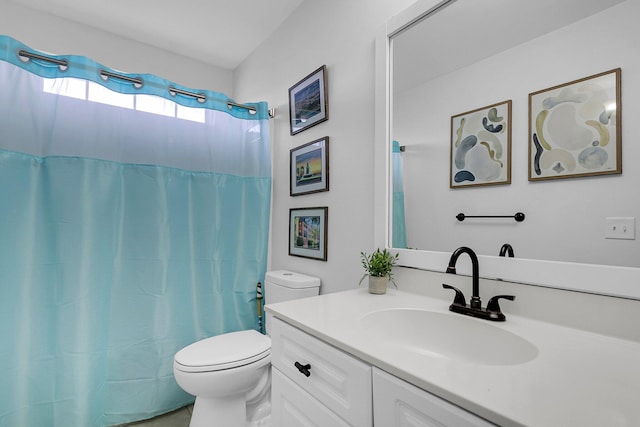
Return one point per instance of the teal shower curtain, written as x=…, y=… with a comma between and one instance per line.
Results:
x=133, y=221
x=399, y=228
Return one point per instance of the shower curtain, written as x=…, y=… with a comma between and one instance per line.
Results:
x=398, y=230
x=133, y=221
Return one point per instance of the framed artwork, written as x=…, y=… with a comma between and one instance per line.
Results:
x=309, y=167
x=575, y=128
x=308, y=232
x=481, y=146
x=308, y=101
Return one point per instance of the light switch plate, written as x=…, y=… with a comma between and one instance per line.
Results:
x=620, y=228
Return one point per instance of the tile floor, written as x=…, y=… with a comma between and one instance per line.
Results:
x=178, y=418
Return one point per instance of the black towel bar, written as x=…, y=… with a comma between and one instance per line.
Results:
x=519, y=216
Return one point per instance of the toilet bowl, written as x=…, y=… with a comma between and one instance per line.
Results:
x=230, y=374
x=221, y=371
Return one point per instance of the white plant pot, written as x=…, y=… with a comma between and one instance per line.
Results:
x=378, y=285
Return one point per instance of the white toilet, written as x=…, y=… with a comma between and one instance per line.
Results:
x=230, y=374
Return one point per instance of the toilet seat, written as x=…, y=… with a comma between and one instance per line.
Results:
x=226, y=351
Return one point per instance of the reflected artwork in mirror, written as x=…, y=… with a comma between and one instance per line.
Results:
x=575, y=128
x=481, y=146
x=437, y=71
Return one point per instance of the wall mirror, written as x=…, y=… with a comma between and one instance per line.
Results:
x=441, y=59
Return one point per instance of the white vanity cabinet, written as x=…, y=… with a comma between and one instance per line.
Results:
x=398, y=403
x=315, y=384
x=575, y=378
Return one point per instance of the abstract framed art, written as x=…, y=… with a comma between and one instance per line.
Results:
x=309, y=167
x=308, y=232
x=308, y=101
x=575, y=128
x=481, y=146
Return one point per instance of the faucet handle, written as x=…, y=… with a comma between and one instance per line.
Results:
x=459, y=298
x=493, y=305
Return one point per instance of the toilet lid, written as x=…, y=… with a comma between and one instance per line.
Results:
x=224, y=351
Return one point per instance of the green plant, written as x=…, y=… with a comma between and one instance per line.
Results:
x=379, y=264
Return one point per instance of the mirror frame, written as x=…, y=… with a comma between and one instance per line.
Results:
x=590, y=278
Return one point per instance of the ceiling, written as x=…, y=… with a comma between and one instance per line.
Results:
x=437, y=46
x=218, y=32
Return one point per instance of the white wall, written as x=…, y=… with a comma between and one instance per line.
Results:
x=340, y=34
x=47, y=33
x=565, y=218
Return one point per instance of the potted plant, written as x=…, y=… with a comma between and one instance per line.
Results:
x=378, y=267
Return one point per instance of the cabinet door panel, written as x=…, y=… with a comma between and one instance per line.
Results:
x=294, y=407
x=338, y=380
x=397, y=403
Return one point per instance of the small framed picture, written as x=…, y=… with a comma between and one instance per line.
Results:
x=575, y=128
x=308, y=232
x=308, y=101
x=309, y=167
x=481, y=146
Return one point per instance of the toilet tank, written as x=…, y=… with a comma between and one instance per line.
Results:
x=283, y=285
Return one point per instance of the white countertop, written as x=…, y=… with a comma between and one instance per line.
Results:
x=577, y=379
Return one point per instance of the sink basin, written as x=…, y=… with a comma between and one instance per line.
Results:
x=450, y=335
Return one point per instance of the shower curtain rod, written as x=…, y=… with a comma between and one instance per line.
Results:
x=137, y=81
x=31, y=55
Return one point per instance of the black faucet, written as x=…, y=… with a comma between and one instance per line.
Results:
x=492, y=311
x=475, y=298
x=506, y=249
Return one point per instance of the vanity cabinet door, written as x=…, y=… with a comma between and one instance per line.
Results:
x=397, y=403
x=291, y=406
x=338, y=380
